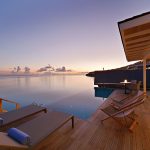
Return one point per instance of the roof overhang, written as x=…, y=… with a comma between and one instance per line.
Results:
x=135, y=35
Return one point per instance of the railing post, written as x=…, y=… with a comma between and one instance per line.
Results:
x=8, y=101
x=1, y=105
x=17, y=106
x=144, y=76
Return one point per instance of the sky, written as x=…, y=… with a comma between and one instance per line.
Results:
x=81, y=35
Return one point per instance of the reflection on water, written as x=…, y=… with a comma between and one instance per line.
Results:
x=73, y=94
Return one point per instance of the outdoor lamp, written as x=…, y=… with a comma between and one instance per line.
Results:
x=125, y=81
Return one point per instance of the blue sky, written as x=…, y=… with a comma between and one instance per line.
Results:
x=79, y=34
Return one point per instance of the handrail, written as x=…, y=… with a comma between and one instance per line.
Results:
x=8, y=101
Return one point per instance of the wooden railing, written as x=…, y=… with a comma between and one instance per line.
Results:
x=8, y=101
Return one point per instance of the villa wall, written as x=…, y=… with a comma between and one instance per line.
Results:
x=116, y=76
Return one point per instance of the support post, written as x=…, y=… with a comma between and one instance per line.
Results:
x=72, y=121
x=1, y=105
x=144, y=76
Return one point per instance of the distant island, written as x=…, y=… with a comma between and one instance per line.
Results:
x=136, y=66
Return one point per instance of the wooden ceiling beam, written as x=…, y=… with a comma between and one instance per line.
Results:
x=137, y=40
x=147, y=35
x=140, y=42
x=136, y=29
x=139, y=47
x=137, y=51
x=135, y=34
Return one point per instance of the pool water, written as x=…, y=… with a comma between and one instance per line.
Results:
x=102, y=92
x=74, y=94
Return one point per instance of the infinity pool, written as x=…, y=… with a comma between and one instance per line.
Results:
x=73, y=94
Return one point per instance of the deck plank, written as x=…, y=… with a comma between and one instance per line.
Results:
x=92, y=134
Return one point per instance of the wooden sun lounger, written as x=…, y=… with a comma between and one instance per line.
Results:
x=121, y=97
x=128, y=101
x=38, y=129
x=124, y=109
x=14, y=116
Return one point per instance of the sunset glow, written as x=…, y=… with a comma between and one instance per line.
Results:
x=81, y=35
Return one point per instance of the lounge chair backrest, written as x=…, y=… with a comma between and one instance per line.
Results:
x=139, y=97
x=139, y=85
x=133, y=81
x=134, y=86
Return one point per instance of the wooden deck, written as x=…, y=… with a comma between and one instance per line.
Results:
x=92, y=135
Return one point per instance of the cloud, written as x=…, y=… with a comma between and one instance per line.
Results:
x=50, y=68
x=26, y=70
x=42, y=69
x=18, y=69
x=47, y=68
x=63, y=69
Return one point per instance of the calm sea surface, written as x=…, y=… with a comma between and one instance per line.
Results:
x=73, y=94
